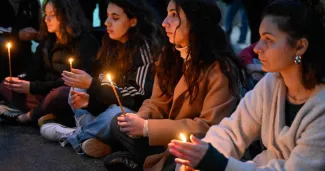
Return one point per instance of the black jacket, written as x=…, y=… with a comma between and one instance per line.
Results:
x=52, y=59
x=133, y=88
x=28, y=16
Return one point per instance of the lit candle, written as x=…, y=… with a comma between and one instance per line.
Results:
x=117, y=97
x=9, y=46
x=70, y=61
x=184, y=139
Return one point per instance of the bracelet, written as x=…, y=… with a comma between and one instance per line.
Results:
x=145, y=129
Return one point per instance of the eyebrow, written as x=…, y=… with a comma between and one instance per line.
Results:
x=113, y=14
x=267, y=33
x=172, y=10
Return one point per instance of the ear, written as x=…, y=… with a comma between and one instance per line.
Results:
x=302, y=46
x=133, y=22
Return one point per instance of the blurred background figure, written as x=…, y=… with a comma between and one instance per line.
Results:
x=234, y=7
x=19, y=24
x=89, y=7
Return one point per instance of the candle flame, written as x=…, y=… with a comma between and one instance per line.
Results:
x=183, y=137
x=70, y=60
x=109, y=77
x=9, y=45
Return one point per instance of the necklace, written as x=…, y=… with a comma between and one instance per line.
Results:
x=297, y=100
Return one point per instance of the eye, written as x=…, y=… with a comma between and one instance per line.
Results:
x=174, y=15
x=268, y=40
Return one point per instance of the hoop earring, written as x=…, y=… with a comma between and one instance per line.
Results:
x=298, y=59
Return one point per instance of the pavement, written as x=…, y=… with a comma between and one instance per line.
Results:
x=22, y=148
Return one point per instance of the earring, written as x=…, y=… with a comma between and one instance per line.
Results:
x=298, y=59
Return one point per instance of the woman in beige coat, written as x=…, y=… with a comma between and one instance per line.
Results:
x=197, y=84
x=286, y=109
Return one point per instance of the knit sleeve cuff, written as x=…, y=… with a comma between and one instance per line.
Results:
x=212, y=160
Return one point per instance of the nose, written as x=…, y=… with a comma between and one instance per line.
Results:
x=47, y=19
x=165, y=23
x=107, y=22
x=258, y=47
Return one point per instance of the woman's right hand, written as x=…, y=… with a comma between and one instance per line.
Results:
x=77, y=78
x=79, y=100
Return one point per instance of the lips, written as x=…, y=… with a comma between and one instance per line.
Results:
x=109, y=31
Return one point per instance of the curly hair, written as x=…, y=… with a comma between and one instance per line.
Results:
x=71, y=17
x=208, y=43
x=119, y=56
x=303, y=19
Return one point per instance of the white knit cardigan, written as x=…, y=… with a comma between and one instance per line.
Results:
x=261, y=114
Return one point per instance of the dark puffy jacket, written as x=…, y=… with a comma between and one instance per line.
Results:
x=52, y=59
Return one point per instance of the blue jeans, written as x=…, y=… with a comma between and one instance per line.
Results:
x=230, y=15
x=89, y=126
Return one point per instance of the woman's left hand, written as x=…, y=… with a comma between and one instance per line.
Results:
x=17, y=85
x=131, y=124
x=77, y=78
x=189, y=154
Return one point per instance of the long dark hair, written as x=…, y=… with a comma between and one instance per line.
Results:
x=303, y=19
x=145, y=32
x=208, y=43
x=71, y=17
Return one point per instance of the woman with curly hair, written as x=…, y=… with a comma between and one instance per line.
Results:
x=197, y=84
x=64, y=33
x=129, y=51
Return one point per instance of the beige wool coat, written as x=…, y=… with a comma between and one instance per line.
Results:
x=170, y=116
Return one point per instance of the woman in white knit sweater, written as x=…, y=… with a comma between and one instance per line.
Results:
x=287, y=107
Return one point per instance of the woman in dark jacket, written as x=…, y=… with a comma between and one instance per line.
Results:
x=64, y=34
x=19, y=24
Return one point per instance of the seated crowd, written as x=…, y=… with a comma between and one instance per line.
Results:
x=136, y=97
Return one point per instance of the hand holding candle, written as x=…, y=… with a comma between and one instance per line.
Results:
x=117, y=97
x=188, y=153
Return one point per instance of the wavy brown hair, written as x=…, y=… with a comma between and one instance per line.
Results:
x=71, y=17
x=119, y=56
x=208, y=43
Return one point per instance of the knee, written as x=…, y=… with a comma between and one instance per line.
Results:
x=114, y=126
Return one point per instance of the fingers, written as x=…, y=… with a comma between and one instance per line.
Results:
x=122, y=124
x=183, y=151
x=67, y=74
x=125, y=129
x=195, y=140
x=77, y=71
x=73, y=82
x=183, y=162
x=122, y=118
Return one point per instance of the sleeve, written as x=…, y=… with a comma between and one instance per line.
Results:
x=308, y=154
x=157, y=106
x=86, y=49
x=217, y=104
x=137, y=87
x=234, y=134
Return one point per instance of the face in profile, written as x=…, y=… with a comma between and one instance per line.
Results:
x=52, y=23
x=118, y=23
x=176, y=25
x=273, y=49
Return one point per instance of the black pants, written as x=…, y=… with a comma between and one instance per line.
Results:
x=55, y=102
x=138, y=147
